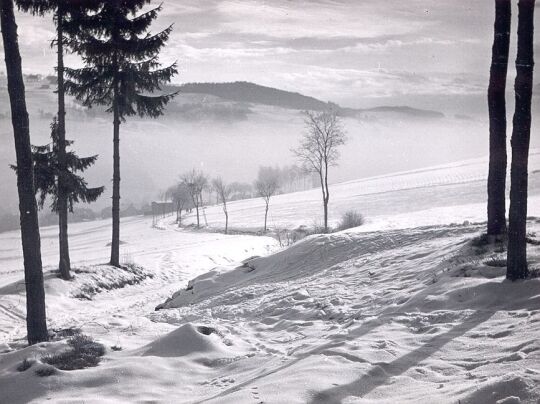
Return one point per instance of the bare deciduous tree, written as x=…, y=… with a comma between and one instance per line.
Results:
x=266, y=186
x=318, y=149
x=195, y=181
x=181, y=197
x=223, y=192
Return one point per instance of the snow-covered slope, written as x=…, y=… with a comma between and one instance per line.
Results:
x=403, y=309
x=414, y=315
x=406, y=199
x=409, y=315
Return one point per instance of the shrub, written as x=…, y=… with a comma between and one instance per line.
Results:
x=25, y=364
x=480, y=241
x=45, y=371
x=84, y=352
x=318, y=228
x=350, y=219
x=494, y=262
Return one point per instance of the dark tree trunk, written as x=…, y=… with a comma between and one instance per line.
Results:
x=36, y=322
x=496, y=209
x=517, y=245
x=65, y=263
x=115, y=243
x=265, y=216
x=326, y=197
x=226, y=222
x=325, y=214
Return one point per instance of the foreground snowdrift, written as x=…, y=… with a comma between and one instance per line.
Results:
x=413, y=315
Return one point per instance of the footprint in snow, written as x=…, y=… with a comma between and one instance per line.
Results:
x=255, y=395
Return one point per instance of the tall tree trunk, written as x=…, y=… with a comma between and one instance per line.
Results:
x=65, y=263
x=226, y=221
x=323, y=200
x=115, y=243
x=517, y=245
x=36, y=321
x=326, y=197
x=265, y=216
x=325, y=214
x=496, y=209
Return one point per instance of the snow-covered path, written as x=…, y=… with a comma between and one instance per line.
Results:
x=170, y=256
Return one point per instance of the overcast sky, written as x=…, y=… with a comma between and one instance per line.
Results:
x=356, y=53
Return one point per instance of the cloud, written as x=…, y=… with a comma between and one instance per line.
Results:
x=339, y=50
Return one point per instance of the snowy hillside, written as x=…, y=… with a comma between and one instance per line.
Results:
x=406, y=199
x=403, y=309
x=398, y=316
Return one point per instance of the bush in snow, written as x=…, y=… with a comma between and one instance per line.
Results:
x=318, y=228
x=287, y=238
x=83, y=352
x=25, y=364
x=480, y=241
x=45, y=371
x=350, y=219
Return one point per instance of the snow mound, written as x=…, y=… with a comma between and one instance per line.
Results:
x=317, y=255
x=185, y=341
x=416, y=314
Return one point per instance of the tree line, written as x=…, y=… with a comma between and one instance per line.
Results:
x=317, y=153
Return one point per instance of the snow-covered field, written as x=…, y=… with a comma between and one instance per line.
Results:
x=408, y=199
x=403, y=309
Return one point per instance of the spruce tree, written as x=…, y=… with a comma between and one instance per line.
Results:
x=36, y=319
x=521, y=135
x=47, y=172
x=64, y=16
x=496, y=206
x=121, y=72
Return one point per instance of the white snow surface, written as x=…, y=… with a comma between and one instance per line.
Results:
x=402, y=309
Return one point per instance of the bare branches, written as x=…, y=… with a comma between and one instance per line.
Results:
x=266, y=186
x=318, y=148
x=195, y=182
x=267, y=183
x=224, y=192
x=319, y=145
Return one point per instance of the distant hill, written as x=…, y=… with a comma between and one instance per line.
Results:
x=230, y=102
x=242, y=91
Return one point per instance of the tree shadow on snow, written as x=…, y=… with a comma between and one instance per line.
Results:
x=380, y=373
